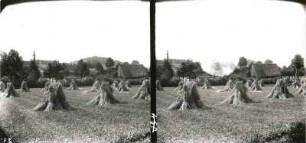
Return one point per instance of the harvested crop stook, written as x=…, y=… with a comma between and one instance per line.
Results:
x=73, y=86
x=2, y=87
x=46, y=87
x=115, y=84
x=296, y=83
x=24, y=87
x=10, y=91
x=255, y=86
x=302, y=89
x=239, y=96
x=261, y=84
x=95, y=87
x=105, y=96
x=248, y=83
x=158, y=86
x=280, y=91
x=54, y=99
x=128, y=83
x=143, y=91
x=229, y=86
x=180, y=85
x=188, y=99
x=122, y=86
x=206, y=84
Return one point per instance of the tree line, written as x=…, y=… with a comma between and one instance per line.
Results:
x=295, y=68
x=165, y=72
x=13, y=68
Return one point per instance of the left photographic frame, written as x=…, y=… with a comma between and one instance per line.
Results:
x=75, y=71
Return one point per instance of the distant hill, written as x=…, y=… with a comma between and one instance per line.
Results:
x=96, y=59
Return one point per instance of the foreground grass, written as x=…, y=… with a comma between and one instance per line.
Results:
x=266, y=120
x=127, y=122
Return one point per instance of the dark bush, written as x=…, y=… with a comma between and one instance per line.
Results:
x=40, y=83
x=170, y=83
x=269, y=80
x=217, y=81
x=86, y=81
x=136, y=81
x=214, y=81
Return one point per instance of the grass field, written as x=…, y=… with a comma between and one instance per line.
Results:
x=128, y=122
x=266, y=120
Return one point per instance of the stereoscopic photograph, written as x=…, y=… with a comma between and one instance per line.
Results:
x=140, y=71
x=75, y=71
x=230, y=71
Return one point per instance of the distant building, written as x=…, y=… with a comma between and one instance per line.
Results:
x=265, y=70
x=130, y=71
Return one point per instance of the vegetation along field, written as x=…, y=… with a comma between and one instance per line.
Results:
x=125, y=122
x=266, y=120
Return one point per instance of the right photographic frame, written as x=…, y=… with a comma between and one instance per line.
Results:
x=230, y=71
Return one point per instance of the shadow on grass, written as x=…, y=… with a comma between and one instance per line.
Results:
x=5, y=138
x=2, y=134
x=93, y=105
x=135, y=138
x=242, y=104
x=294, y=134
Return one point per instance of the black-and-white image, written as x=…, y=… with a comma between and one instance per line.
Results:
x=166, y=71
x=75, y=71
x=230, y=71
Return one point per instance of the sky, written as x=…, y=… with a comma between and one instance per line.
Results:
x=212, y=31
x=206, y=31
x=67, y=31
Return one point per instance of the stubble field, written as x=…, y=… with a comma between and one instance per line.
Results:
x=126, y=122
x=266, y=120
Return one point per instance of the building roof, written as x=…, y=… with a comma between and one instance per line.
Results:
x=132, y=71
x=265, y=70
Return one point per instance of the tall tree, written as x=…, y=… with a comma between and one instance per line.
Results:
x=65, y=70
x=99, y=68
x=82, y=69
x=109, y=63
x=198, y=70
x=3, y=64
x=242, y=62
x=34, y=73
x=54, y=70
x=190, y=69
x=297, y=63
x=167, y=71
x=12, y=66
x=288, y=71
